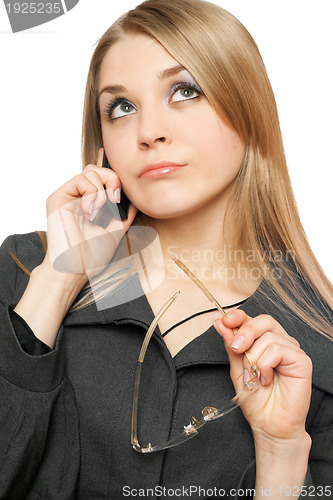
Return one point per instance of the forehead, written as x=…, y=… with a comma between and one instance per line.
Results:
x=135, y=55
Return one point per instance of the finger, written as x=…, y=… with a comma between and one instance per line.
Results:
x=262, y=343
x=67, y=196
x=235, y=359
x=286, y=360
x=100, y=157
x=118, y=227
x=251, y=329
x=109, y=179
x=100, y=199
x=125, y=224
x=112, y=186
x=259, y=341
x=132, y=211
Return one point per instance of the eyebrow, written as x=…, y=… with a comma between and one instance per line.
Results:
x=169, y=72
x=163, y=75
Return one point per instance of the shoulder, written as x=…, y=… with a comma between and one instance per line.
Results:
x=18, y=252
x=27, y=246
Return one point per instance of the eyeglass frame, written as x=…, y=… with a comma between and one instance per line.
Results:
x=209, y=412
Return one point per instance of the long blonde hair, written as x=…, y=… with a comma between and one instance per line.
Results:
x=223, y=58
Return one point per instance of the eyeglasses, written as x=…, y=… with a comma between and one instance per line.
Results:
x=209, y=412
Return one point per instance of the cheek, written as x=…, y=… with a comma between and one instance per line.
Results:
x=117, y=151
x=215, y=144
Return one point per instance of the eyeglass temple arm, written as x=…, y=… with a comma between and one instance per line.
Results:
x=134, y=428
x=212, y=299
x=212, y=413
x=202, y=287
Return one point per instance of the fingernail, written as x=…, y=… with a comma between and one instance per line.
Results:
x=216, y=327
x=246, y=377
x=116, y=195
x=262, y=380
x=93, y=215
x=238, y=342
x=231, y=315
x=91, y=208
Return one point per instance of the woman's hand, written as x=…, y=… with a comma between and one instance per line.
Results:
x=75, y=243
x=277, y=411
x=77, y=249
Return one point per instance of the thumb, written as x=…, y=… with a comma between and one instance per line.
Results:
x=236, y=360
x=122, y=225
x=132, y=211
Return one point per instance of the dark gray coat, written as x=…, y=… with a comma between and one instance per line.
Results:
x=65, y=416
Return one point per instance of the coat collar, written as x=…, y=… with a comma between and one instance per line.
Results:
x=116, y=307
x=209, y=347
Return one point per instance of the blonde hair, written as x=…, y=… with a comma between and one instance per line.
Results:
x=224, y=59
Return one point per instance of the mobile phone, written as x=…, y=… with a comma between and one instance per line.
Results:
x=118, y=210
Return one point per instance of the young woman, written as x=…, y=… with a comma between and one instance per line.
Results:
x=179, y=104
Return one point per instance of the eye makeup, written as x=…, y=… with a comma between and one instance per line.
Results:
x=186, y=85
x=110, y=107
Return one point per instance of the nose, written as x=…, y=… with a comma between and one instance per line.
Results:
x=154, y=128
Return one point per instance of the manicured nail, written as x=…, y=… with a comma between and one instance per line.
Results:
x=215, y=326
x=238, y=342
x=246, y=377
x=262, y=380
x=93, y=215
x=91, y=208
x=116, y=195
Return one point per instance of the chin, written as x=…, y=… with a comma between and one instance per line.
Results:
x=166, y=213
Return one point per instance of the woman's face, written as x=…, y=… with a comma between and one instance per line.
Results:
x=171, y=151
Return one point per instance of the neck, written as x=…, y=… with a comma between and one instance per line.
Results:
x=192, y=240
x=197, y=240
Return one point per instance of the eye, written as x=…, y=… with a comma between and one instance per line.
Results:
x=185, y=92
x=118, y=108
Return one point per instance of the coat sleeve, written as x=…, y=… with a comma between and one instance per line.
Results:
x=319, y=478
x=29, y=342
x=39, y=452
x=309, y=491
x=321, y=453
x=318, y=483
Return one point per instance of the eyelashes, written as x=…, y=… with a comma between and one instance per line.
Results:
x=186, y=86
x=119, y=106
x=123, y=105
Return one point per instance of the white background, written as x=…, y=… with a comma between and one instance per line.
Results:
x=43, y=74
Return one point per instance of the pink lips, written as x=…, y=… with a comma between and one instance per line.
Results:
x=159, y=169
